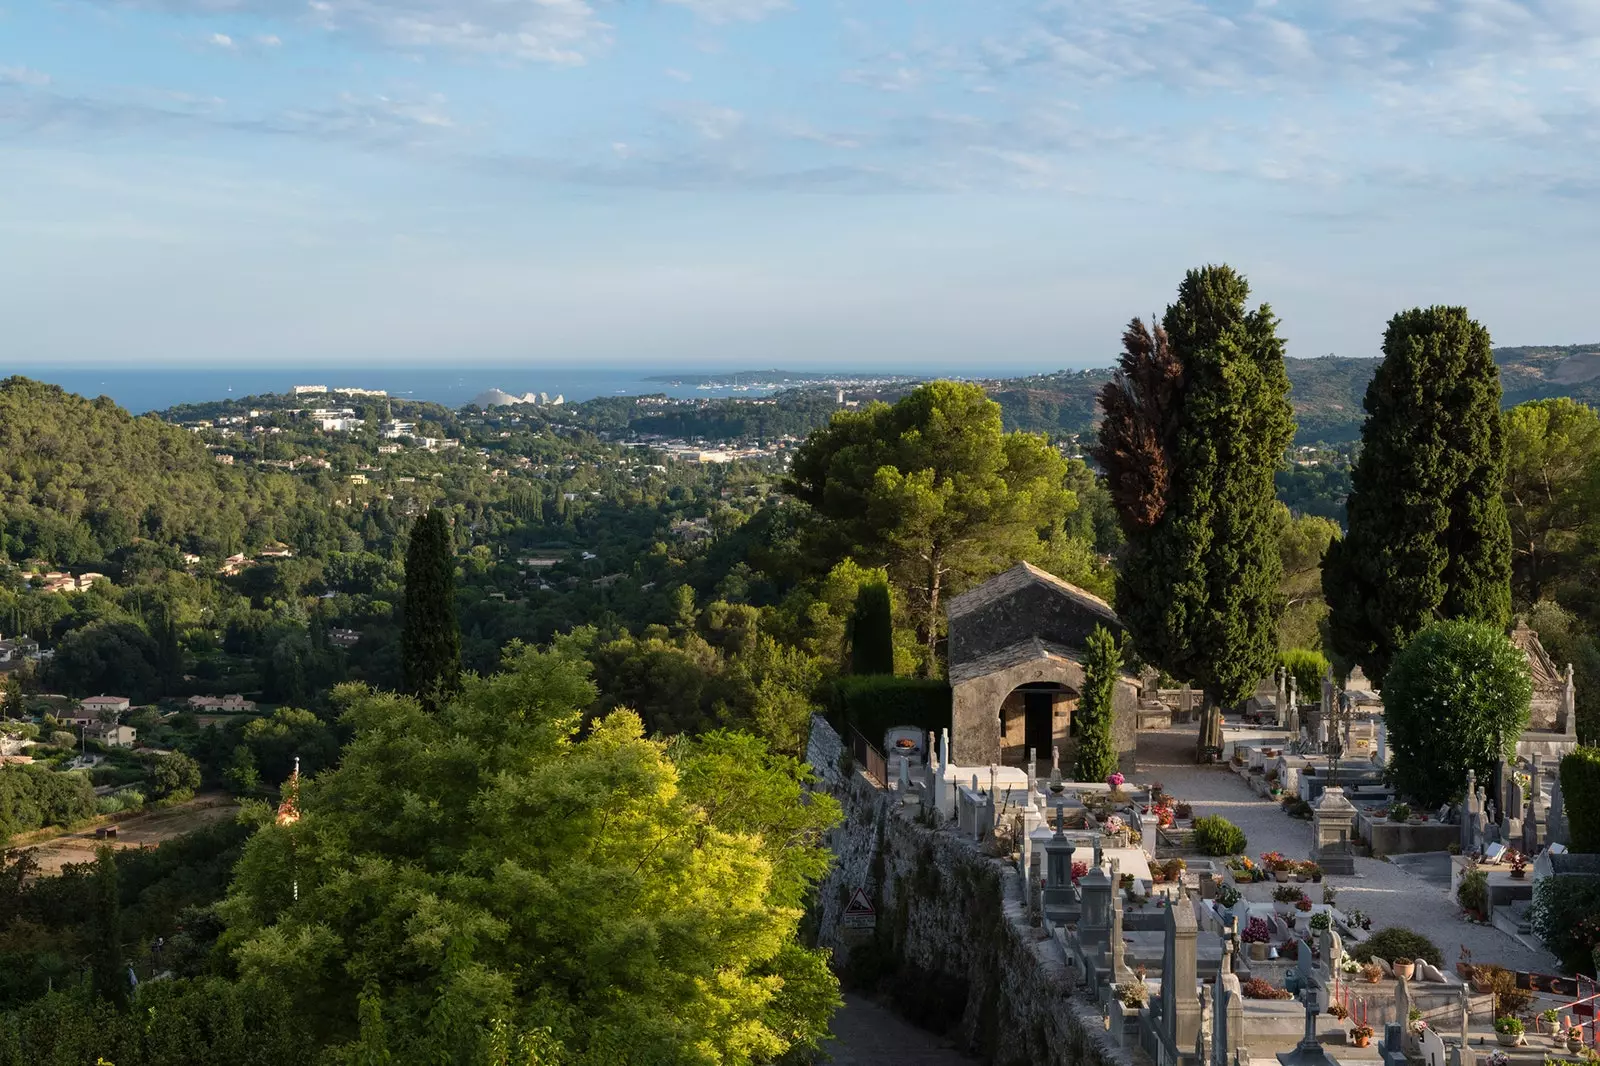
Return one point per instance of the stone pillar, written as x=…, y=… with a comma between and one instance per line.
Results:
x=1469, y=815
x=1333, y=822
x=1180, y=1001
x=1569, y=704
x=1511, y=808
x=1291, y=719
x=1114, y=937
x=1280, y=694
x=1533, y=819
x=1556, y=827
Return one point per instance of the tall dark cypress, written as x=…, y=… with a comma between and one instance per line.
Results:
x=872, y=630
x=1197, y=421
x=1096, y=756
x=108, y=969
x=1428, y=536
x=431, y=642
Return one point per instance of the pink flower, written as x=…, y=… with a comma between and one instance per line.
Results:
x=1115, y=780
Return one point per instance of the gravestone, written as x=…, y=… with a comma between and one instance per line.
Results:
x=1292, y=715
x=1533, y=817
x=1511, y=806
x=1391, y=1049
x=1309, y=1052
x=1058, y=865
x=1556, y=821
x=1180, y=1004
x=1228, y=1024
x=1114, y=938
x=1333, y=830
x=1471, y=810
x=1402, y=1011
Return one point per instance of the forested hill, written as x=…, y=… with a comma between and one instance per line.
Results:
x=79, y=478
x=1326, y=392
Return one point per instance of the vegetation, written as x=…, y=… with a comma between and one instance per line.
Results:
x=1395, y=943
x=934, y=490
x=1580, y=792
x=1215, y=835
x=1096, y=756
x=872, y=630
x=501, y=881
x=1428, y=535
x=1564, y=917
x=33, y=797
x=1552, y=491
x=1196, y=424
x=431, y=642
x=1308, y=669
x=1457, y=699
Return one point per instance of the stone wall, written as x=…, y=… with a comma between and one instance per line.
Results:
x=952, y=946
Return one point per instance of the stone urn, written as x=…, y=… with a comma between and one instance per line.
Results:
x=1508, y=1039
x=1574, y=1044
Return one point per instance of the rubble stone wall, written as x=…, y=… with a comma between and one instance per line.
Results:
x=952, y=946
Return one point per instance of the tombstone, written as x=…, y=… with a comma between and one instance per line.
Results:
x=1533, y=816
x=1402, y=1011
x=1470, y=810
x=1511, y=807
x=1281, y=694
x=1462, y=1055
x=1058, y=865
x=1391, y=1048
x=1035, y=887
x=1380, y=742
x=1096, y=890
x=1230, y=943
x=1186, y=701
x=1180, y=1006
x=1332, y=949
x=1115, y=936
x=1569, y=705
x=1057, y=786
x=1333, y=822
x=1204, y=1050
x=1208, y=885
x=1309, y=1052
x=903, y=779
x=1556, y=820
x=1033, y=774
x=1291, y=719
x=1228, y=1020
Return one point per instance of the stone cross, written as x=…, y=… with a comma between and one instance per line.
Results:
x=1469, y=814
x=1533, y=818
x=1569, y=702
x=1556, y=822
x=1291, y=719
x=1402, y=1011
x=944, y=749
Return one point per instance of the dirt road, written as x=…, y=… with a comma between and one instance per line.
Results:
x=136, y=831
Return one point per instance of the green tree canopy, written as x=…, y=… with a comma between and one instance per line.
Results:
x=1196, y=424
x=933, y=489
x=1456, y=699
x=1096, y=756
x=483, y=866
x=872, y=630
x=1552, y=492
x=1428, y=536
x=431, y=640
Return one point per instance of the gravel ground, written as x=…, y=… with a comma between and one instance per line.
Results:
x=865, y=1034
x=1386, y=891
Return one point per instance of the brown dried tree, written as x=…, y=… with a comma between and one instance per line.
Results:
x=1139, y=429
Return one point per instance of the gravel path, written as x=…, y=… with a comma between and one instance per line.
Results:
x=1386, y=891
x=865, y=1034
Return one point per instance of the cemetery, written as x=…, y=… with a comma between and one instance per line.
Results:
x=1211, y=913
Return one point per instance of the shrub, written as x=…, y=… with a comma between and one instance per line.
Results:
x=1295, y=807
x=1562, y=917
x=1096, y=755
x=1321, y=920
x=1259, y=988
x=1450, y=692
x=1400, y=812
x=1288, y=894
x=876, y=703
x=1174, y=868
x=872, y=630
x=1215, y=835
x=1580, y=791
x=1309, y=668
x=1133, y=993
x=1393, y=943
x=1183, y=810
x=1509, y=1025
x=1473, y=892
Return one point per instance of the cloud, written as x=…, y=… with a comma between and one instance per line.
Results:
x=732, y=10
x=23, y=76
x=223, y=41
x=559, y=32
x=678, y=75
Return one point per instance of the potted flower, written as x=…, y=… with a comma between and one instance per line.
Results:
x=1227, y=895
x=1519, y=865
x=1320, y=921
x=1174, y=869
x=1372, y=973
x=1313, y=871
x=1183, y=810
x=1284, y=898
x=1114, y=781
x=1133, y=994
x=1414, y=1020
x=1361, y=1035
x=1348, y=965
x=1339, y=1011
x=1499, y=1058
x=1404, y=968
x=1079, y=869
x=1400, y=812
x=1575, y=1039
x=1275, y=862
x=1508, y=1030
x=1303, y=905
x=1256, y=934
x=1125, y=882
x=1550, y=1017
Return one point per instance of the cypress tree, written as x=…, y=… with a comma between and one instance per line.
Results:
x=107, y=968
x=1196, y=423
x=431, y=642
x=872, y=630
x=1428, y=536
x=1097, y=754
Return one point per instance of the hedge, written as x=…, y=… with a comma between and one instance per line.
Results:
x=1395, y=943
x=1564, y=907
x=1580, y=798
x=876, y=703
x=1215, y=835
x=1309, y=668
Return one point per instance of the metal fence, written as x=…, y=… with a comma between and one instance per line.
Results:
x=869, y=758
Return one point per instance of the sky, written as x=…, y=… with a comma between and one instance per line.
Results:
x=869, y=184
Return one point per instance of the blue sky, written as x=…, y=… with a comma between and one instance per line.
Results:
x=967, y=184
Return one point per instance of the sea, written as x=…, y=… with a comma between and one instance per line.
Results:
x=142, y=390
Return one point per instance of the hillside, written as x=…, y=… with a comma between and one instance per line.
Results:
x=1326, y=391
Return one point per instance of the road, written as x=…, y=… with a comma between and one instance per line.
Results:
x=866, y=1034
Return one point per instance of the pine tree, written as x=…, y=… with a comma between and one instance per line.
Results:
x=1428, y=536
x=1097, y=753
x=872, y=630
x=431, y=642
x=1196, y=423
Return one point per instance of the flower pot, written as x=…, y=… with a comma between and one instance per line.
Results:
x=1362, y=1041
x=1508, y=1039
x=1574, y=1046
x=1316, y=879
x=1405, y=969
x=1519, y=875
x=1280, y=876
x=1372, y=979
x=1258, y=952
x=1301, y=878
